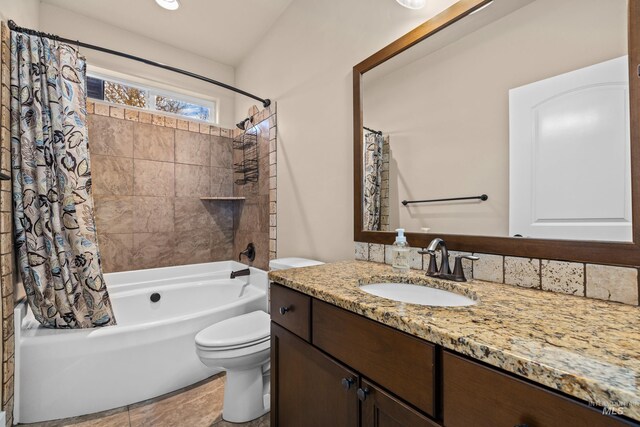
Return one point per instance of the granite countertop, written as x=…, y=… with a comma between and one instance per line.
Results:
x=586, y=348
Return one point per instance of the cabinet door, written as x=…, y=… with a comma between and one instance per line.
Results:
x=309, y=388
x=380, y=409
x=475, y=395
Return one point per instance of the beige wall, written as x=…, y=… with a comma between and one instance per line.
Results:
x=23, y=12
x=305, y=63
x=447, y=113
x=74, y=26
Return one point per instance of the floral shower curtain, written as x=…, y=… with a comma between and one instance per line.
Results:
x=372, y=179
x=55, y=233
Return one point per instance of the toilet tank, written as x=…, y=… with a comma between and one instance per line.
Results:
x=284, y=263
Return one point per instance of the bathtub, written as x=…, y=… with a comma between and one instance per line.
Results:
x=151, y=351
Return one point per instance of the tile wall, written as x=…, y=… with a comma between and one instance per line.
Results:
x=7, y=270
x=149, y=173
x=255, y=218
x=606, y=282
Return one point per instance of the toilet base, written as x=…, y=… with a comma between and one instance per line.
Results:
x=244, y=395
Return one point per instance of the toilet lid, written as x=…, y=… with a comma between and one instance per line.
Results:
x=241, y=330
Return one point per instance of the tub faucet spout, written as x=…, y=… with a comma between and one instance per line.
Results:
x=244, y=272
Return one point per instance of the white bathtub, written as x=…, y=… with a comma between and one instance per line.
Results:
x=151, y=351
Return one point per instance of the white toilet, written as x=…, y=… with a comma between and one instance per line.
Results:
x=241, y=346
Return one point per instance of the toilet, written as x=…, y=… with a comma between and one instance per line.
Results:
x=241, y=346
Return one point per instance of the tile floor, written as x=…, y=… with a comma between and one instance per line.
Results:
x=199, y=405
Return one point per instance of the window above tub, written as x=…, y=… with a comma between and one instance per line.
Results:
x=146, y=97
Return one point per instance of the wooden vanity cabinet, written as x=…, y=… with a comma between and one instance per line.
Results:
x=309, y=388
x=403, y=364
x=474, y=394
x=382, y=409
x=331, y=367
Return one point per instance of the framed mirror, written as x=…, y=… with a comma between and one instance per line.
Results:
x=505, y=126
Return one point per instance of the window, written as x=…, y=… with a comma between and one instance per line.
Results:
x=148, y=98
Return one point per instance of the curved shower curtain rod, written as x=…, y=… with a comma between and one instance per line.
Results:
x=13, y=26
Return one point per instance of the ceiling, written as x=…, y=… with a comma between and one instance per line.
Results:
x=220, y=30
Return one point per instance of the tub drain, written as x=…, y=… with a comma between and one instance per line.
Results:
x=155, y=297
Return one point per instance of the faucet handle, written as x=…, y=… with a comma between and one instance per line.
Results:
x=458, y=271
x=433, y=267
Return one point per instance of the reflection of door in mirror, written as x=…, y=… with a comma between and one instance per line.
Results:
x=570, y=156
x=444, y=104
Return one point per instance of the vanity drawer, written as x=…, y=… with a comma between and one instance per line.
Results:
x=404, y=364
x=477, y=395
x=291, y=309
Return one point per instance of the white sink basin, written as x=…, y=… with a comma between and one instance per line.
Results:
x=416, y=294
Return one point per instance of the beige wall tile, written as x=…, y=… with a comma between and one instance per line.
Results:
x=131, y=115
x=192, y=148
x=114, y=214
x=101, y=109
x=116, y=252
x=221, y=152
x=251, y=218
x=170, y=122
x=192, y=247
x=222, y=243
x=157, y=120
x=192, y=180
x=151, y=250
x=109, y=136
x=111, y=175
x=489, y=267
x=116, y=112
x=523, y=272
x=144, y=117
x=191, y=213
x=152, y=142
x=376, y=252
x=612, y=283
x=182, y=124
x=361, y=251
x=221, y=182
x=153, y=178
x=151, y=214
x=564, y=277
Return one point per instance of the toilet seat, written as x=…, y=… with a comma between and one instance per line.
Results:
x=247, y=330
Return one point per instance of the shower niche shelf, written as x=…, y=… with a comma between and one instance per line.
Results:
x=223, y=198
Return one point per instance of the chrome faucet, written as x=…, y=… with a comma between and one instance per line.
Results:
x=444, y=272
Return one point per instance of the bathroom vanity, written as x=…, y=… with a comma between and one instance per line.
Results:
x=342, y=357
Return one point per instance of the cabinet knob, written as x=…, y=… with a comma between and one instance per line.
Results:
x=284, y=310
x=347, y=383
x=362, y=394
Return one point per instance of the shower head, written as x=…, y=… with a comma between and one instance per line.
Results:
x=244, y=124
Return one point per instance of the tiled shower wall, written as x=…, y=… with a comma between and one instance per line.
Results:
x=149, y=173
x=256, y=216
x=611, y=283
x=6, y=239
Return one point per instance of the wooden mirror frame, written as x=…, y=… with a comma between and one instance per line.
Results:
x=615, y=253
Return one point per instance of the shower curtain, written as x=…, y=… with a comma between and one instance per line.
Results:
x=54, y=227
x=372, y=179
